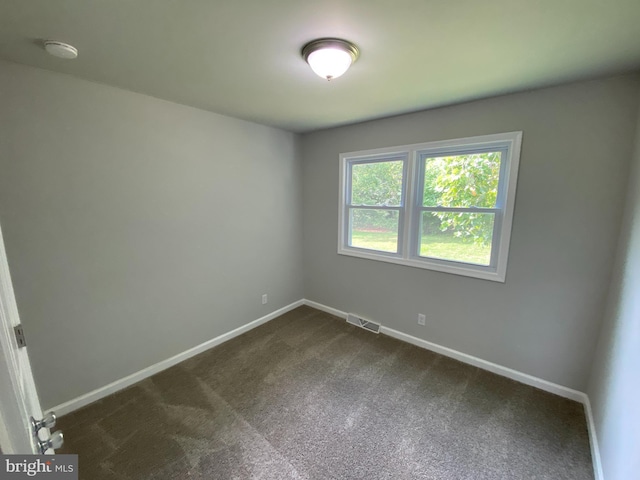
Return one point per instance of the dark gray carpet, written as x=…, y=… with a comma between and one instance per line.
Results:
x=308, y=396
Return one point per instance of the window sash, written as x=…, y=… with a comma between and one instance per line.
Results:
x=421, y=158
x=426, y=154
x=347, y=238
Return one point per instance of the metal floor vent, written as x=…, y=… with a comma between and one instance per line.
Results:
x=354, y=319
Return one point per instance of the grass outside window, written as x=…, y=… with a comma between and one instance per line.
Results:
x=443, y=246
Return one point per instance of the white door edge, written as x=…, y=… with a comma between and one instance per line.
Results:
x=18, y=394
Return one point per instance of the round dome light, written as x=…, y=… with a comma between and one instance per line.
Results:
x=330, y=57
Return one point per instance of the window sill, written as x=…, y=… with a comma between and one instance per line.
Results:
x=455, y=268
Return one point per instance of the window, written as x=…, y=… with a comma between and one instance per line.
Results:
x=444, y=206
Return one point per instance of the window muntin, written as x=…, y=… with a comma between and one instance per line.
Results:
x=444, y=206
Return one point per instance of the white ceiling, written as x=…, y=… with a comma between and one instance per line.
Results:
x=242, y=58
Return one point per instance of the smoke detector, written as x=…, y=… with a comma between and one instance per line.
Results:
x=60, y=49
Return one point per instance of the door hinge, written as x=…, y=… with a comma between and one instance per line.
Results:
x=20, y=338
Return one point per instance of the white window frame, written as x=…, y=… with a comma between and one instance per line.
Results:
x=411, y=207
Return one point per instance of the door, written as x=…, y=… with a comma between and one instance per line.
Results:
x=18, y=396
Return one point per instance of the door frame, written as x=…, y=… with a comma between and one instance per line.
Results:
x=18, y=394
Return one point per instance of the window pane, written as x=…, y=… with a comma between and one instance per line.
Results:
x=469, y=180
x=461, y=237
x=378, y=183
x=374, y=229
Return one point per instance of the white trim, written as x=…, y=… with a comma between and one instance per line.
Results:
x=511, y=173
x=598, y=473
x=521, y=377
x=489, y=366
x=324, y=308
x=469, y=359
x=465, y=269
x=518, y=376
x=18, y=393
x=99, y=393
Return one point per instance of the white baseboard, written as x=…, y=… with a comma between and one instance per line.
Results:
x=489, y=366
x=598, y=473
x=527, y=379
x=521, y=377
x=469, y=359
x=497, y=369
x=324, y=308
x=129, y=380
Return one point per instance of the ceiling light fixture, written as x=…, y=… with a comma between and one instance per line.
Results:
x=330, y=57
x=60, y=49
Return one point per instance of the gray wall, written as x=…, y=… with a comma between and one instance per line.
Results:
x=544, y=320
x=137, y=228
x=614, y=388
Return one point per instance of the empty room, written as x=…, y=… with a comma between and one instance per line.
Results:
x=320, y=240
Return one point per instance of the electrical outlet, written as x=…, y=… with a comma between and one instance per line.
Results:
x=265, y=299
x=421, y=319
